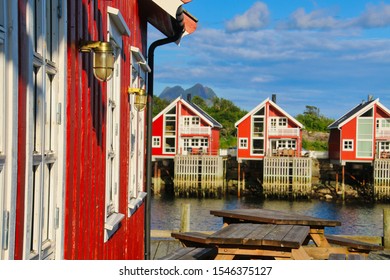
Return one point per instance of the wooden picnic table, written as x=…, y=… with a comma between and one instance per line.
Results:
x=267, y=216
x=260, y=241
x=270, y=233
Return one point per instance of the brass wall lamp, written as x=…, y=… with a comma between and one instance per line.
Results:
x=140, y=98
x=103, y=58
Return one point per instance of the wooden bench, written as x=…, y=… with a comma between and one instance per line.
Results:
x=192, y=239
x=346, y=257
x=191, y=253
x=352, y=244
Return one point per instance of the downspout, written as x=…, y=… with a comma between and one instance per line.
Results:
x=152, y=48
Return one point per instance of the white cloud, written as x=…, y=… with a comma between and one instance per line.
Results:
x=255, y=18
x=374, y=16
x=319, y=19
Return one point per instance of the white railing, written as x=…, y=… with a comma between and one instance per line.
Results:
x=283, y=132
x=199, y=130
x=383, y=133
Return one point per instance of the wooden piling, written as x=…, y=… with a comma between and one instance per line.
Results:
x=343, y=181
x=185, y=217
x=239, y=180
x=386, y=228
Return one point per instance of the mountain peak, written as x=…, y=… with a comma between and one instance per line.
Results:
x=171, y=93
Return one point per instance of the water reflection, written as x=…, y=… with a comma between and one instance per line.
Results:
x=355, y=218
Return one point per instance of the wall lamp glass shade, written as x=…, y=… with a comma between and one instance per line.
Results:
x=103, y=58
x=140, y=98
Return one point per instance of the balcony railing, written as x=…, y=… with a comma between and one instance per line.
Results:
x=383, y=133
x=197, y=130
x=283, y=132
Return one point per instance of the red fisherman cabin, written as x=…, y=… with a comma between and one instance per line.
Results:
x=268, y=130
x=72, y=133
x=361, y=135
x=183, y=128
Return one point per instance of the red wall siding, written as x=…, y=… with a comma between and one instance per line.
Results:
x=334, y=144
x=157, y=130
x=349, y=132
x=214, y=141
x=380, y=113
x=24, y=73
x=86, y=131
x=244, y=132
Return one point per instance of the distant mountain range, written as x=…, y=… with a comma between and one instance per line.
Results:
x=171, y=93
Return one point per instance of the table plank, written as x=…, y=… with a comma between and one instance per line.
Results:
x=257, y=235
x=287, y=236
x=273, y=217
x=260, y=235
x=297, y=234
x=233, y=234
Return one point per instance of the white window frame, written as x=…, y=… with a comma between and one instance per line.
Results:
x=8, y=126
x=383, y=123
x=169, y=118
x=286, y=144
x=117, y=28
x=44, y=214
x=367, y=138
x=348, y=145
x=384, y=146
x=257, y=135
x=243, y=143
x=136, y=189
x=156, y=142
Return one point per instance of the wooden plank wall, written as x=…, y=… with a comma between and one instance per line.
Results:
x=198, y=175
x=285, y=176
x=382, y=179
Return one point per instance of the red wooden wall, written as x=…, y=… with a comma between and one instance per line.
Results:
x=24, y=73
x=86, y=134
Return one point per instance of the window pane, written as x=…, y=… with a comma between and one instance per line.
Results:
x=49, y=31
x=2, y=13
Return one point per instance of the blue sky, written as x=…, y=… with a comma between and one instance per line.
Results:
x=328, y=54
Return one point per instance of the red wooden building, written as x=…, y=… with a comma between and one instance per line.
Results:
x=361, y=135
x=183, y=128
x=72, y=160
x=268, y=130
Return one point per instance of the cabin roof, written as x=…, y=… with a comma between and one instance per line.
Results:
x=357, y=111
x=195, y=108
x=273, y=104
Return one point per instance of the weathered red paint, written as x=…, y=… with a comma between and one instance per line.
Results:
x=22, y=99
x=85, y=131
x=86, y=136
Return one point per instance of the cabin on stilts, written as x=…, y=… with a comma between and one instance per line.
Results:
x=186, y=135
x=270, y=135
x=359, y=143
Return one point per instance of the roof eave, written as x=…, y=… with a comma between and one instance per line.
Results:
x=168, y=16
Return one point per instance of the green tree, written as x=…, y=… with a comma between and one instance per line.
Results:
x=159, y=105
x=313, y=120
x=226, y=113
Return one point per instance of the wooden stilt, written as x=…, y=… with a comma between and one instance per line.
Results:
x=343, y=181
x=239, y=180
x=185, y=217
x=386, y=228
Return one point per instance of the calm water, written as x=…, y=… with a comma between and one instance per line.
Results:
x=356, y=218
